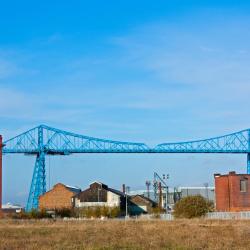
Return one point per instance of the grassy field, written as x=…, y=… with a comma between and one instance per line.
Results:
x=111, y=234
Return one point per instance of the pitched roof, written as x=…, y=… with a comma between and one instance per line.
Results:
x=104, y=186
x=143, y=197
x=116, y=191
x=73, y=189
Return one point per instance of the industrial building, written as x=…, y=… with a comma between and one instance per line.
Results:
x=232, y=192
x=58, y=197
x=171, y=195
x=139, y=204
x=99, y=194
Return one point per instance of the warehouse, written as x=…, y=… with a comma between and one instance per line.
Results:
x=99, y=194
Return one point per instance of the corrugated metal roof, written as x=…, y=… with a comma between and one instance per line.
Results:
x=73, y=189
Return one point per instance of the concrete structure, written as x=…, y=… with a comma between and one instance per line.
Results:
x=232, y=192
x=99, y=194
x=58, y=197
x=139, y=204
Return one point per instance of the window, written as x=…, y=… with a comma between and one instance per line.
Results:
x=243, y=185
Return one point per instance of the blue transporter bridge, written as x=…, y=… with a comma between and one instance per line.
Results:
x=44, y=140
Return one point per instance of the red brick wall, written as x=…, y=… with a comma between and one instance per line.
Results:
x=58, y=197
x=228, y=194
x=222, y=193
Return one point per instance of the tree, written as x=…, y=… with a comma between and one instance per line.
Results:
x=192, y=206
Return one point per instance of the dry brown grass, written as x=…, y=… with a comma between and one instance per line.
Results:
x=112, y=234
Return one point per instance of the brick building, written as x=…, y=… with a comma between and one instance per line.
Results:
x=99, y=194
x=232, y=192
x=58, y=197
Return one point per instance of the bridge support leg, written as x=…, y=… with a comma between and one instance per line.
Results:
x=248, y=163
x=38, y=184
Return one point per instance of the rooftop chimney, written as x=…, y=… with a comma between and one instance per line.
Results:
x=124, y=188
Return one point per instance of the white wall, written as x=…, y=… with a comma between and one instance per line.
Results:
x=113, y=200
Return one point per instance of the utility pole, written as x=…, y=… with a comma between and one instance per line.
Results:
x=148, y=183
x=159, y=184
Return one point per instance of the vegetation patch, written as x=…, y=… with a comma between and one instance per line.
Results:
x=192, y=207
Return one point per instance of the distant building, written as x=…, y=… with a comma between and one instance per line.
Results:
x=11, y=209
x=99, y=194
x=206, y=192
x=232, y=192
x=58, y=197
x=172, y=195
x=139, y=204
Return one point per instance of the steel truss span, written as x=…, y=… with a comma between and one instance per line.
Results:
x=44, y=140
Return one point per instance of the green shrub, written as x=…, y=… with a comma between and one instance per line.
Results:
x=192, y=206
x=114, y=212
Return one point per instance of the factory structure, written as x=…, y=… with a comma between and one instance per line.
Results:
x=97, y=194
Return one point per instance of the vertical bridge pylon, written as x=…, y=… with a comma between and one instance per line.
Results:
x=44, y=140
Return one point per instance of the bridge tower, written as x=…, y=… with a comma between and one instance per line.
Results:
x=38, y=184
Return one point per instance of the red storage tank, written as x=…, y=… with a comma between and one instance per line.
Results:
x=232, y=192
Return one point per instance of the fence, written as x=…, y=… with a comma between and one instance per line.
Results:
x=213, y=215
x=228, y=215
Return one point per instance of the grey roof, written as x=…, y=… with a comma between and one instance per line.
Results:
x=116, y=191
x=73, y=189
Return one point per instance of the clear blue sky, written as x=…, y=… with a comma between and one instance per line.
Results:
x=127, y=70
